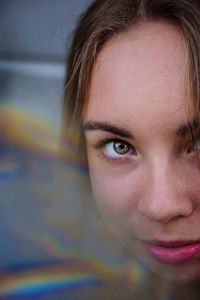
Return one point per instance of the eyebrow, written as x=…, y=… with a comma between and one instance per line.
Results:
x=108, y=128
x=183, y=131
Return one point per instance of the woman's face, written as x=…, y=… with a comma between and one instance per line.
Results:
x=142, y=161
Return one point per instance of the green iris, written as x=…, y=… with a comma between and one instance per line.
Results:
x=121, y=148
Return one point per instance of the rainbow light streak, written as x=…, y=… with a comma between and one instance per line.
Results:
x=137, y=273
x=22, y=127
x=101, y=267
x=22, y=130
x=39, y=285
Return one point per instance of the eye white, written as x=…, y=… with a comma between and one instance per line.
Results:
x=110, y=149
x=197, y=145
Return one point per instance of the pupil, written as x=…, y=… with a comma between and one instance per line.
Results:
x=121, y=148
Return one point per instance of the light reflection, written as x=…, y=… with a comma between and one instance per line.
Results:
x=49, y=223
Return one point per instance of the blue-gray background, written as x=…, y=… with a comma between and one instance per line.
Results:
x=34, y=39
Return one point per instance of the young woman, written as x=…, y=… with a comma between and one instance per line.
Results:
x=132, y=92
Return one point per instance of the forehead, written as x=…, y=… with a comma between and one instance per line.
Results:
x=138, y=74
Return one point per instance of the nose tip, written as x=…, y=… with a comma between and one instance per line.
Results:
x=164, y=210
x=165, y=199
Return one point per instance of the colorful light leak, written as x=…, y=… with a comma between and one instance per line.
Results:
x=73, y=276
x=53, y=241
x=34, y=284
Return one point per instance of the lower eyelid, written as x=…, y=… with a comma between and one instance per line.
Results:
x=119, y=156
x=110, y=159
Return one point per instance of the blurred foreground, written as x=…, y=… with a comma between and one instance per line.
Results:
x=53, y=243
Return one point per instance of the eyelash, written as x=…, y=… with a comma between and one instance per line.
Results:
x=103, y=143
x=194, y=146
x=191, y=147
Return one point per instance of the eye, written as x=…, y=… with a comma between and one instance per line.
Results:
x=118, y=148
x=194, y=148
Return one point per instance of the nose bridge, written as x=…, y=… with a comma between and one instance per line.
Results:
x=164, y=198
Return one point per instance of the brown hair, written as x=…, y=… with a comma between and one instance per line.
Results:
x=102, y=20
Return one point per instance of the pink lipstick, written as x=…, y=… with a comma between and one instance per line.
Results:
x=174, y=252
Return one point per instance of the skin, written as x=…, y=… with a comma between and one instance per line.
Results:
x=152, y=192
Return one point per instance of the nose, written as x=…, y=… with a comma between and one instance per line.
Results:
x=166, y=194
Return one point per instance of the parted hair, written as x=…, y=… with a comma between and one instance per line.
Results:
x=105, y=18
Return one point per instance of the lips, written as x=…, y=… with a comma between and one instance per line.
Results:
x=174, y=252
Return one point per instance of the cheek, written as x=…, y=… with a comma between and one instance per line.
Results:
x=116, y=195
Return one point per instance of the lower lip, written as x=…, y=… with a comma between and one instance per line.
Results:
x=174, y=255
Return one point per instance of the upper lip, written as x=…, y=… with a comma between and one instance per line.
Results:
x=173, y=243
